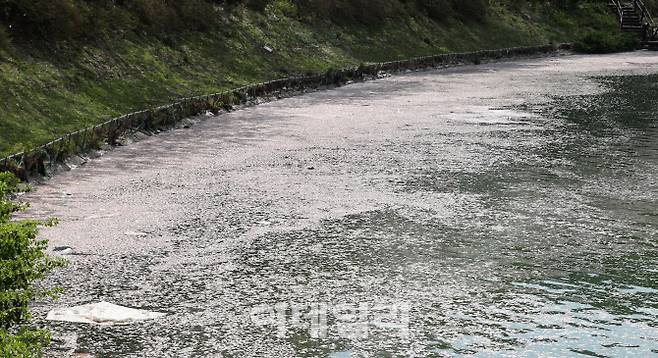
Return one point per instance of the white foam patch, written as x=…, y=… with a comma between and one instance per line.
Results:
x=104, y=313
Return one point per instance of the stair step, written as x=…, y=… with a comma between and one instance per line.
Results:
x=652, y=45
x=632, y=20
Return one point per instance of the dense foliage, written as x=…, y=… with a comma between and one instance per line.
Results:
x=598, y=42
x=30, y=20
x=23, y=261
x=69, y=19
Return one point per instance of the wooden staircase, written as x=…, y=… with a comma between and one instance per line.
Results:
x=634, y=17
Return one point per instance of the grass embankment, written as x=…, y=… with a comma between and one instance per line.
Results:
x=69, y=82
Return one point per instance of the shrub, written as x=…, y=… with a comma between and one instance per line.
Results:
x=606, y=42
x=23, y=261
x=8, y=185
x=24, y=343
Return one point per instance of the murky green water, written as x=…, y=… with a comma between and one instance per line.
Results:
x=536, y=235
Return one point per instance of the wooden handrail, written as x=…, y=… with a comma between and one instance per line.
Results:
x=647, y=19
x=639, y=4
x=620, y=11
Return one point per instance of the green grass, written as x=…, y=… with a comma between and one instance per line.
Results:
x=49, y=91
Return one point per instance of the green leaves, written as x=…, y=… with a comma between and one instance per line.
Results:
x=607, y=42
x=24, y=343
x=23, y=261
x=8, y=185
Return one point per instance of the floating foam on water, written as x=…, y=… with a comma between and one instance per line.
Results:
x=101, y=313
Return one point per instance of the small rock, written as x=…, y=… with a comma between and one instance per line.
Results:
x=64, y=250
x=75, y=161
x=138, y=135
x=122, y=142
x=311, y=168
x=94, y=154
x=186, y=123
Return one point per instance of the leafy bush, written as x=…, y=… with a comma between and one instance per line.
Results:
x=606, y=42
x=23, y=261
x=8, y=185
x=24, y=343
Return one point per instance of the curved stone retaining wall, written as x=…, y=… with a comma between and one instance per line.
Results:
x=40, y=160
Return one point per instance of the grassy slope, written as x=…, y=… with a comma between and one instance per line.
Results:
x=48, y=92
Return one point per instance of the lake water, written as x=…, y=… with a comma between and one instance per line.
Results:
x=506, y=209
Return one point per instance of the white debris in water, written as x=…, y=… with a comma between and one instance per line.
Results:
x=104, y=313
x=67, y=251
x=64, y=250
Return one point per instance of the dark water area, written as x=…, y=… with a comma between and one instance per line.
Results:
x=512, y=228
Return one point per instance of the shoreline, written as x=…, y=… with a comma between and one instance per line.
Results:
x=77, y=148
